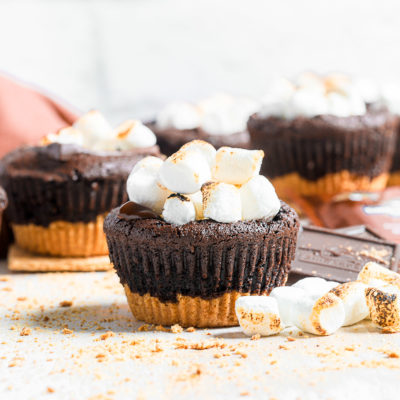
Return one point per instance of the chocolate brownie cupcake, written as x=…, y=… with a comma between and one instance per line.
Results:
x=322, y=140
x=389, y=98
x=3, y=204
x=222, y=233
x=220, y=120
x=60, y=192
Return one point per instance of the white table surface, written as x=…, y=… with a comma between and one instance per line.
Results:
x=356, y=362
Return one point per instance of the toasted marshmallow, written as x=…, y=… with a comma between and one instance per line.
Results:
x=321, y=316
x=207, y=150
x=185, y=171
x=197, y=200
x=373, y=274
x=237, y=166
x=133, y=134
x=259, y=199
x=143, y=186
x=352, y=295
x=384, y=307
x=179, y=116
x=221, y=202
x=67, y=135
x=315, y=287
x=258, y=315
x=178, y=209
x=95, y=128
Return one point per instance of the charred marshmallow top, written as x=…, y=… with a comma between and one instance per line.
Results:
x=217, y=115
x=198, y=182
x=311, y=95
x=93, y=131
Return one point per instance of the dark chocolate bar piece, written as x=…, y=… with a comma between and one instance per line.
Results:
x=339, y=256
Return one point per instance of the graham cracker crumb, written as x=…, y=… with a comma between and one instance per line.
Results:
x=107, y=335
x=290, y=339
x=176, y=328
x=25, y=331
x=256, y=337
x=50, y=390
x=191, y=329
x=144, y=328
x=66, y=303
x=22, y=298
x=66, y=331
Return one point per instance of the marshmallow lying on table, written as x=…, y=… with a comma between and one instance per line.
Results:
x=382, y=292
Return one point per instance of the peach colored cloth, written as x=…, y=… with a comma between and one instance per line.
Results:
x=27, y=115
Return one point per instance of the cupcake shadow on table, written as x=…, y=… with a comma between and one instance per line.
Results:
x=203, y=228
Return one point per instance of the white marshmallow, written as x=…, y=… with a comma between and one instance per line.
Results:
x=259, y=199
x=197, y=200
x=307, y=103
x=258, y=315
x=374, y=274
x=179, y=116
x=178, y=210
x=185, y=171
x=143, y=187
x=67, y=135
x=207, y=150
x=352, y=295
x=237, y=166
x=221, y=202
x=384, y=307
x=321, y=316
x=133, y=134
x=390, y=98
x=95, y=128
x=285, y=296
x=224, y=115
x=315, y=287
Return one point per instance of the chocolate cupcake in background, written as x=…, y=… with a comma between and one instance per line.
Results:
x=204, y=229
x=220, y=120
x=389, y=98
x=59, y=192
x=3, y=205
x=321, y=139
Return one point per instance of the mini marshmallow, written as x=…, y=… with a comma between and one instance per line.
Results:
x=67, y=135
x=384, y=308
x=185, y=171
x=374, y=274
x=143, y=187
x=286, y=295
x=133, y=134
x=221, y=202
x=237, y=166
x=178, y=209
x=258, y=315
x=207, y=150
x=259, y=199
x=315, y=287
x=179, y=116
x=197, y=200
x=352, y=295
x=95, y=128
x=323, y=316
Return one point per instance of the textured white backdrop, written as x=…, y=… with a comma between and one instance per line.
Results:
x=130, y=57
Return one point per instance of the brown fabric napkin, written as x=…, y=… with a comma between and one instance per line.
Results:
x=26, y=115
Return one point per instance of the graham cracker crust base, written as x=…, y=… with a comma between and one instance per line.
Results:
x=22, y=260
x=62, y=238
x=292, y=185
x=187, y=311
x=394, y=179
